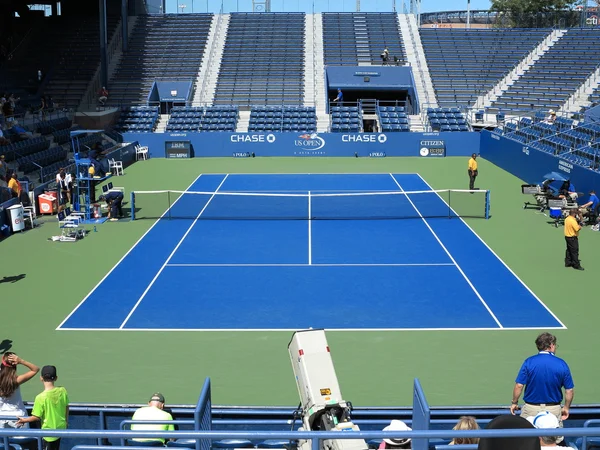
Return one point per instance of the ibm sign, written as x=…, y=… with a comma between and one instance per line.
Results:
x=178, y=149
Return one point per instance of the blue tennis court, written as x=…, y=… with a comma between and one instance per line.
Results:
x=292, y=251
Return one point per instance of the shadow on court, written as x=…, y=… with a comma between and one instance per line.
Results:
x=13, y=279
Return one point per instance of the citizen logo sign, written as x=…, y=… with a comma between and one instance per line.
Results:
x=432, y=143
x=310, y=142
x=381, y=138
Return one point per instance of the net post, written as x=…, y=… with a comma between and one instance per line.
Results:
x=487, y=204
x=132, y=203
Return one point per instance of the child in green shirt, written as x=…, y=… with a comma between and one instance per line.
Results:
x=51, y=407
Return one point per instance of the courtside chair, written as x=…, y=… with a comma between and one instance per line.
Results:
x=115, y=167
x=141, y=152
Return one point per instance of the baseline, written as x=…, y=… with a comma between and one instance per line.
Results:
x=450, y=256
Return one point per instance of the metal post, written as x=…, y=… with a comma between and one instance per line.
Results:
x=468, y=13
x=125, y=25
x=103, y=44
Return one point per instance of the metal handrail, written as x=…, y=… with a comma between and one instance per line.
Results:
x=419, y=68
x=211, y=55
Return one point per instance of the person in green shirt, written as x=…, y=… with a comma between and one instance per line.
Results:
x=154, y=411
x=51, y=407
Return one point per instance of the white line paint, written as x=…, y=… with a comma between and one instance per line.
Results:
x=309, y=230
x=275, y=330
x=449, y=255
x=314, y=265
x=563, y=326
x=171, y=255
x=124, y=256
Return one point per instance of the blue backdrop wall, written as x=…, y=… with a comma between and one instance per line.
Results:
x=323, y=144
x=531, y=165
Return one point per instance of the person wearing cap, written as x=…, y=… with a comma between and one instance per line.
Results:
x=508, y=422
x=472, y=169
x=551, y=117
x=546, y=421
x=544, y=376
x=396, y=425
x=114, y=200
x=154, y=411
x=572, y=227
x=51, y=408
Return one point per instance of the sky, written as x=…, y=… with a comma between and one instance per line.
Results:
x=198, y=6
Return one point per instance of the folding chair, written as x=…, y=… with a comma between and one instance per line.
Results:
x=141, y=152
x=116, y=167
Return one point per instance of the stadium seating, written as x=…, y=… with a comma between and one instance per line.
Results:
x=49, y=126
x=346, y=119
x=41, y=159
x=139, y=119
x=467, y=63
x=556, y=75
x=211, y=118
x=283, y=118
x=447, y=119
x=160, y=46
x=353, y=38
x=263, y=60
x=24, y=148
x=393, y=119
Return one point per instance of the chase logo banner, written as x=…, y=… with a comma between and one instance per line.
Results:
x=309, y=144
x=432, y=147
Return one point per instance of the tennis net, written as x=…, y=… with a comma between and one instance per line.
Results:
x=314, y=205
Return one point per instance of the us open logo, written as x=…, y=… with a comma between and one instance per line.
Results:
x=311, y=142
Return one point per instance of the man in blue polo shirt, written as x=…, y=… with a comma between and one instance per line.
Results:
x=544, y=376
x=590, y=209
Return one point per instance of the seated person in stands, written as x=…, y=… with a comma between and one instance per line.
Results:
x=114, y=201
x=21, y=132
x=396, y=425
x=551, y=118
x=3, y=140
x=567, y=190
x=102, y=96
x=154, y=411
x=465, y=423
x=590, y=209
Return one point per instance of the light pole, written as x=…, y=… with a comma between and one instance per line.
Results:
x=182, y=8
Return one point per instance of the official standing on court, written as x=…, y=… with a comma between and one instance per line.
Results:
x=472, y=171
x=544, y=376
x=572, y=228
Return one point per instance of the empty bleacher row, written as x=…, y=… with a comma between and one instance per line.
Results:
x=393, y=119
x=447, y=119
x=283, y=118
x=353, y=38
x=577, y=143
x=215, y=118
x=346, y=119
x=263, y=60
x=139, y=119
x=160, y=46
x=467, y=63
x=36, y=161
x=556, y=75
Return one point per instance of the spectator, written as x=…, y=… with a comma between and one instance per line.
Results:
x=568, y=190
x=396, y=61
x=3, y=140
x=465, y=423
x=13, y=101
x=551, y=118
x=11, y=403
x=385, y=56
x=50, y=105
x=544, y=375
x=2, y=172
x=7, y=110
x=14, y=184
x=154, y=411
x=51, y=408
x=508, y=422
x=102, y=96
x=21, y=132
x=340, y=97
x=543, y=421
x=396, y=425
x=43, y=106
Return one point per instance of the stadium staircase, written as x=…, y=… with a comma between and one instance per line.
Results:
x=485, y=101
x=415, y=56
x=206, y=81
x=243, y=122
x=581, y=98
x=314, y=70
x=557, y=75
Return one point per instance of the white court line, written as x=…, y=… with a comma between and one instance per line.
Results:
x=449, y=255
x=276, y=330
x=309, y=230
x=563, y=326
x=171, y=255
x=314, y=265
x=124, y=256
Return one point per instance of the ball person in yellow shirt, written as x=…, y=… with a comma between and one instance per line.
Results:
x=572, y=228
x=472, y=171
